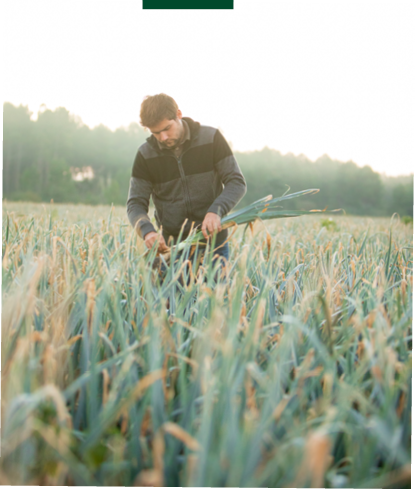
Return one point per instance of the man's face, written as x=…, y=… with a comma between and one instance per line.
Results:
x=169, y=132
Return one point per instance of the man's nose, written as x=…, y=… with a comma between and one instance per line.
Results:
x=163, y=136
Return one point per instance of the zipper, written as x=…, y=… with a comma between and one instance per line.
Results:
x=186, y=188
x=183, y=178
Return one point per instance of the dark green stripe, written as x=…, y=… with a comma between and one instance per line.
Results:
x=187, y=4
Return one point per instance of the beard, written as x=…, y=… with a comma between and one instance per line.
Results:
x=171, y=146
x=174, y=143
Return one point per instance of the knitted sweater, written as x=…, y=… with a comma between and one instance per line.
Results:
x=205, y=178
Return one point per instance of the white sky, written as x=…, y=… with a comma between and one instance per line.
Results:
x=311, y=77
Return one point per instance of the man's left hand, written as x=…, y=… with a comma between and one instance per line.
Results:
x=211, y=224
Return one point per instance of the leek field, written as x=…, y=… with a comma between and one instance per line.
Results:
x=291, y=370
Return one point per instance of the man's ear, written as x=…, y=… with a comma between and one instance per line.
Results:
x=179, y=114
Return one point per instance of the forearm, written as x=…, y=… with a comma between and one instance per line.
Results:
x=139, y=220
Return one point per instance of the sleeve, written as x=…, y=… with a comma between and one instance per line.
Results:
x=230, y=175
x=139, y=194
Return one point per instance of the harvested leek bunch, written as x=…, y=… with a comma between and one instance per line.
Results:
x=264, y=209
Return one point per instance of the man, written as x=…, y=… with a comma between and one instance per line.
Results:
x=190, y=172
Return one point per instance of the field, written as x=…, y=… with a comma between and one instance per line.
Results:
x=293, y=370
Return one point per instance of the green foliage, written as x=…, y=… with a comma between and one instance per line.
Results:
x=96, y=455
x=41, y=156
x=403, y=199
x=359, y=191
x=329, y=224
x=25, y=196
x=407, y=220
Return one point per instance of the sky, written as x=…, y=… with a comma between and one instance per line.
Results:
x=306, y=77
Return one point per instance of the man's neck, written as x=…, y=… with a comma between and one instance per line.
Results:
x=182, y=134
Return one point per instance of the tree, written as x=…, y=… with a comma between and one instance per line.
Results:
x=41, y=157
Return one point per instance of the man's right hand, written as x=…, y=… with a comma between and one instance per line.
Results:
x=152, y=237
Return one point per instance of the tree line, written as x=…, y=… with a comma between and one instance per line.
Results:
x=58, y=157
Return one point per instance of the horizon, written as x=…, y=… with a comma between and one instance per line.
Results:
x=34, y=116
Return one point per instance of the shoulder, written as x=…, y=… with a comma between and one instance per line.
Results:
x=144, y=153
x=208, y=130
x=207, y=134
x=204, y=134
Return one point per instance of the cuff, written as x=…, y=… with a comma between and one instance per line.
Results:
x=145, y=228
x=216, y=209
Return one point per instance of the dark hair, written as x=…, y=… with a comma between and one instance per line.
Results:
x=156, y=108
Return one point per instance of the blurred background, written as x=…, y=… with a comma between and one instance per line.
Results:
x=58, y=157
x=308, y=94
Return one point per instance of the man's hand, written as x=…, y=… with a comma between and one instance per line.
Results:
x=211, y=224
x=150, y=239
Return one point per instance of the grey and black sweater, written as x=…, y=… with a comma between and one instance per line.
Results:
x=206, y=178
